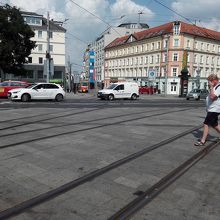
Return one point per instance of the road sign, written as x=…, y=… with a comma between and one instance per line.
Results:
x=152, y=74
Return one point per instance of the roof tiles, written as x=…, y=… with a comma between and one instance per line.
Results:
x=166, y=29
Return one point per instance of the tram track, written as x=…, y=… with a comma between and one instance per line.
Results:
x=83, y=129
x=149, y=194
x=49, y=195
x=42, y=120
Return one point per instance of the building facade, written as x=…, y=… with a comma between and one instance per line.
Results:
x=154, y=57
x=105, y=38
x=36, y=61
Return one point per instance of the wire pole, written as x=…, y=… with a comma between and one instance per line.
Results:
x=48, y=48
x=167, y=65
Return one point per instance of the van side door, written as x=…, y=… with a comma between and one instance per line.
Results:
x=119, y=91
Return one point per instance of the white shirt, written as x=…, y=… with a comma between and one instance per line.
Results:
x=213, y=105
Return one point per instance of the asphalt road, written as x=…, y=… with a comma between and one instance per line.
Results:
x=85, y=159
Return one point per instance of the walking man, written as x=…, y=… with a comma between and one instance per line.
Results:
x=212, y=108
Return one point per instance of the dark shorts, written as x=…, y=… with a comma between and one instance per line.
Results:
x=211, y=119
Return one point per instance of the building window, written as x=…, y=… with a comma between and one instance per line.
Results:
x=165, y=57
x=51, y=34
x=158, y=45
x=157, y=58
x=141, y=60
x=40, y=47
x=29, y=59
x=218, y=61
x=213, y=48
x=207, y=59
x=188, y=44
x=176, y=29
x=188, y=57
x=40, y=74
x=195, y=58
x=213, y=60
x=176, y=43
x=207, y=47
x=196, y=45
x=174, y=70
x=40, y=34
x=152, y=59
x=51, y=48
x=201, y=59
x=146, y=60
x=136, y=49
x=152, y=46
x=175, y=57
x=202, y=46
x=147, y=47
x=40, y=59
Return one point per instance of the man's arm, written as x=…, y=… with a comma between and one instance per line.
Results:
x=213, y=93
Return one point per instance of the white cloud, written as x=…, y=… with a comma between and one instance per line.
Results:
x=203, y=11
x=130, y=9
x=30, y=5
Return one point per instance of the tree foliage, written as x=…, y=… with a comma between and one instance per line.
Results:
x=15, y=43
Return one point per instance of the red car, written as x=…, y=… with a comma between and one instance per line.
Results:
x=8, y=85
x=147, y=90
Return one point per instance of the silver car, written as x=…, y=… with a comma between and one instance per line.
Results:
x=197, y=94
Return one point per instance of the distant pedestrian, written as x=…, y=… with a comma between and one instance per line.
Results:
x=212, y=108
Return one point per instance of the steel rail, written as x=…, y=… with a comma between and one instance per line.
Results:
x=47, y=119
x=85, y=129
x=22, y=207
x=147, y=196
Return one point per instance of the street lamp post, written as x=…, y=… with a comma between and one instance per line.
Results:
x=167, y=65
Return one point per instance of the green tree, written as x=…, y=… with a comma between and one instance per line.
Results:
x=15, y=43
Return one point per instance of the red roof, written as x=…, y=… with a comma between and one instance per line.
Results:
x=165, y=29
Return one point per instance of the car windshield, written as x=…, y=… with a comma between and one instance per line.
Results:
x=84, y=84
x=4, y=84
x=195, y=91
x=112, y=86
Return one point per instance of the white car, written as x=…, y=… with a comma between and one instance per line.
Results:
x=38, y=91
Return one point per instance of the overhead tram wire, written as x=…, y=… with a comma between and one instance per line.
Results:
x=95, y=16
x=187, y=19
x=77, y=38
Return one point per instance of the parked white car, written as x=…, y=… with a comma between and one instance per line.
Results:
x=120, y=91
x=38, y=91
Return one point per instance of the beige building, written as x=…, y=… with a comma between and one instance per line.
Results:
x=155, y=56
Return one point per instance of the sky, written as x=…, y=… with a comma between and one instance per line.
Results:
x=87, y=19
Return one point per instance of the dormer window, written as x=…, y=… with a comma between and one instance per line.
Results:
x=176, y=28
x=31, y=20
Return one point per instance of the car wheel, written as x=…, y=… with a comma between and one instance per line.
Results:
x=198, y=98
x=110, y=97
x=25, y=97
x=187, y=98
x=134, y=96
x=59, y=97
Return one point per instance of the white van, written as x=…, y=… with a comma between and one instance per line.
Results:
x=120, y=90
